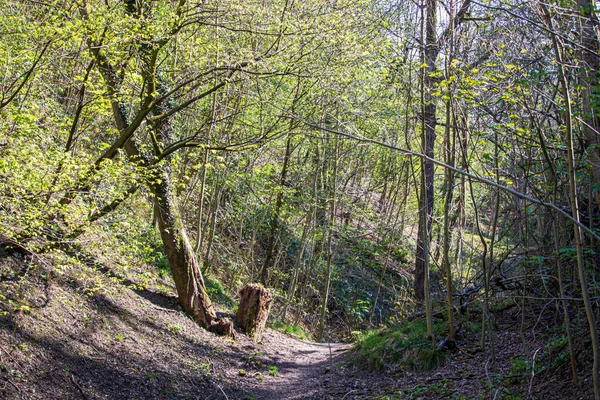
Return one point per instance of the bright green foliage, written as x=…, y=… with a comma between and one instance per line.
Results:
x=247, y=76
x=273, y=370
x=400, y=347
x=292, y=330
x=217, y=293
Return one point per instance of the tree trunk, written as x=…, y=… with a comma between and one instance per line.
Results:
x=429, y=57
x=264, y=275
x=296, y=269
x=180, y=253
x=218, y=190
x=575, y=205
x=587, y=302
x=182, y=259
x=253, y=310
x=199, y=227
x=589, y=79
x=328, y=271
x=429, y=54
x=450, y=146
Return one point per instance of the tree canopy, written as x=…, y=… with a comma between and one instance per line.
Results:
x=366, y=160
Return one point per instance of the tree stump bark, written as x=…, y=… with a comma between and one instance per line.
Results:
x=223, y=327
x=253, y=310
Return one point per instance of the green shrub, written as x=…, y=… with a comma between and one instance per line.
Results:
x=273, y=370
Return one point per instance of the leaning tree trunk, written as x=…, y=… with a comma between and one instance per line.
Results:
x=581, y=271
x=180, y=253
x=182, y=259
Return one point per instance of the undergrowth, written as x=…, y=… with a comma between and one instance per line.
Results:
x=404, y=346
x=218, y=294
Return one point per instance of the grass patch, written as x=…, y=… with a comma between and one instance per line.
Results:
x=292, y=330
x=273, y=370
x=174, y=329
x=403, y=347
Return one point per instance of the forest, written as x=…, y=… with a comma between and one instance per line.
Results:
x=283, y=199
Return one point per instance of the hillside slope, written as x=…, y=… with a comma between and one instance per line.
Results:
x=84, y=333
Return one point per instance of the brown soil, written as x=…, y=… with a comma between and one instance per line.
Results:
x=83, y=333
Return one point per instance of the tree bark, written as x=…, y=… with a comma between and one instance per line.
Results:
x=430, y=53
x=253, y=310
x=182, y=259
x=180, y=253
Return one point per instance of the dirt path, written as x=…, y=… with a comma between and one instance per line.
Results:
x=304, y=369
x=128, y=344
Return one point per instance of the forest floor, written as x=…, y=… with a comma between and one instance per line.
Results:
x=82, y=333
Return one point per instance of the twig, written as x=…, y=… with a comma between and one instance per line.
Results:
x=13, y=385
x=78, y=386
x=450, y=378
x=222, y=391
x=488, y=375
x=164, y=309
x=11, y=357
x=532, y=372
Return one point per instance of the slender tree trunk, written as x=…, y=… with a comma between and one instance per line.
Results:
x=306, y=286
x=315, y=243
x=199, y=227
x=561, y=288
x=327, y=284
x=379, y=285
x=449, y=188
x=297, y=262
x=589, y=79
x=429, y=56
x=556, y=239
x=213, y=224
x=575, y=204
x=492, y=235
x=484, y=259
x=264, y=275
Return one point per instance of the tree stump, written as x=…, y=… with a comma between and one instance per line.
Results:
x=253, y=310
x=223, y=327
